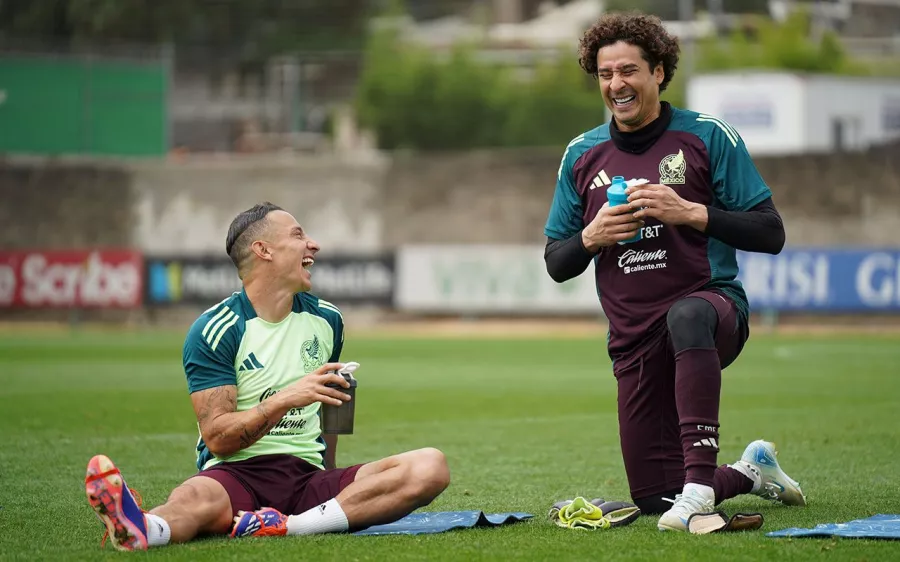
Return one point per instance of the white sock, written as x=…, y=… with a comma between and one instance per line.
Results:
x=158, y=532
x=750, y=472
x=705, y=491
x=324, y=518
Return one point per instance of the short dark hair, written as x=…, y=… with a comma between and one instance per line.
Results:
x=643, y=31
x=246, y=227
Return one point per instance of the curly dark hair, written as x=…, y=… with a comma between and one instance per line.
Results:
x=641, y=30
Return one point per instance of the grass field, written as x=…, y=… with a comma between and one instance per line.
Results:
x=523, y=423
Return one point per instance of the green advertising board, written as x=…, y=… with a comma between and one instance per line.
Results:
x=75, y=105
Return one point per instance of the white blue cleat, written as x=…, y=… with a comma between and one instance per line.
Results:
x=760, y=463
x=694, y=499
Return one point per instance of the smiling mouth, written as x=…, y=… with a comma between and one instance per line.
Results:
x=623, y=100
x=307, y=263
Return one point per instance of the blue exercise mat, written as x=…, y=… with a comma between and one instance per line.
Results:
x=439, y=522
x=875, y=527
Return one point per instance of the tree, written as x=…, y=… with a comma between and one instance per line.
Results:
x=766, y=44
x=670, y=10
x=664, y=9
x=256, y=28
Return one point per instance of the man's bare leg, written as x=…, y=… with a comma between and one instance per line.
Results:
x=381, y=492
x=387, y=490
x=199, y=506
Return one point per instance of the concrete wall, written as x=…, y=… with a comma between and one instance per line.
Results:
x=187, y=208
x=64, y=205
x=838, y=199
x=353, y=205
x=484, y=196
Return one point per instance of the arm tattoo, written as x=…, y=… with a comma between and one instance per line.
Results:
x=216, y=416
x=212, y=401
x=252, y=435
x=221, y=400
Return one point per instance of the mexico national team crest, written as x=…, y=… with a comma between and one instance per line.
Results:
x=312, y=354
x=672, y=168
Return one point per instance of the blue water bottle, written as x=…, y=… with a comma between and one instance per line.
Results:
x=616, y=196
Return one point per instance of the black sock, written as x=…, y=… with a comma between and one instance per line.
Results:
x=655, y=505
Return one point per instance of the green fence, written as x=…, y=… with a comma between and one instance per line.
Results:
x=76, y=105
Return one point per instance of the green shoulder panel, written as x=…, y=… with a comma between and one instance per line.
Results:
x=212, y=344
x=566, y=212
x=736, y=181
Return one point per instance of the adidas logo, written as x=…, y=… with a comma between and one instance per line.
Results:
x=251, y=363
x=711, y=442
x=601, y=180
x=252, y=527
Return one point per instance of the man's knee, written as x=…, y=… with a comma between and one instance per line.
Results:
x=692, y=323
x=204, y=500
x=429, y=474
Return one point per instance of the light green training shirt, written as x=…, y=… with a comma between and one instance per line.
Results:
x=230, y=345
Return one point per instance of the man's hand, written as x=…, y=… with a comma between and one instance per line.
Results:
x=227, y=431
x=611, y=225
x=311, y=388
x=662, y=203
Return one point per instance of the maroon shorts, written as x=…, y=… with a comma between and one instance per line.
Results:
x=284, y=482
x=649, y=429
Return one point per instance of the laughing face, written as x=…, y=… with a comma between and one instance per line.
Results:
x=292, y=251
x=630, y=87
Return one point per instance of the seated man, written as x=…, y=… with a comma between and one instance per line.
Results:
x=257, y=366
